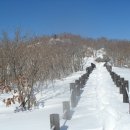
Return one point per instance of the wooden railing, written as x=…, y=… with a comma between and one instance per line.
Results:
x=75, y=92
x=121, y=83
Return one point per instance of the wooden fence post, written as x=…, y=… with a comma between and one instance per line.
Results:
x=125, y=94
x=118, y=81
x=127, y=84
x=66, y=110
x=78, y=90
x=73, y=98
x=115, y=78
x=77, y=82
x=83, y=80
x=72, y=86
x=121, y=86
x=87, y=70
x=113, y=75
x=54, y=122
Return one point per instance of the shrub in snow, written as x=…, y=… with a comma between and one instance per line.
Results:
x=105, y=58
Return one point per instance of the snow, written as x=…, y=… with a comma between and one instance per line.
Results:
x=100, y=106
x=100, y=53
x=123, y=72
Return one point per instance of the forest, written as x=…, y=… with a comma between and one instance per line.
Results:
x=26, y=61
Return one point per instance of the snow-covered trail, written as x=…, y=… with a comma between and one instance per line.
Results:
x=100, y=106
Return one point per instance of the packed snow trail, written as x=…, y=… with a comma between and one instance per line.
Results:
x=100, y=106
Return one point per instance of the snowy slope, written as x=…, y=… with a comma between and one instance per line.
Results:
x=100, y=106
x=123, y=72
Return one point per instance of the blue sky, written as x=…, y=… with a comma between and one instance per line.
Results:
x=88, y=18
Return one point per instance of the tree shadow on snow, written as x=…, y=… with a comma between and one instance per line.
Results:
x=40, y=104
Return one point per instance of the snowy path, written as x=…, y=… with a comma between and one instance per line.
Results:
x=100, y=106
